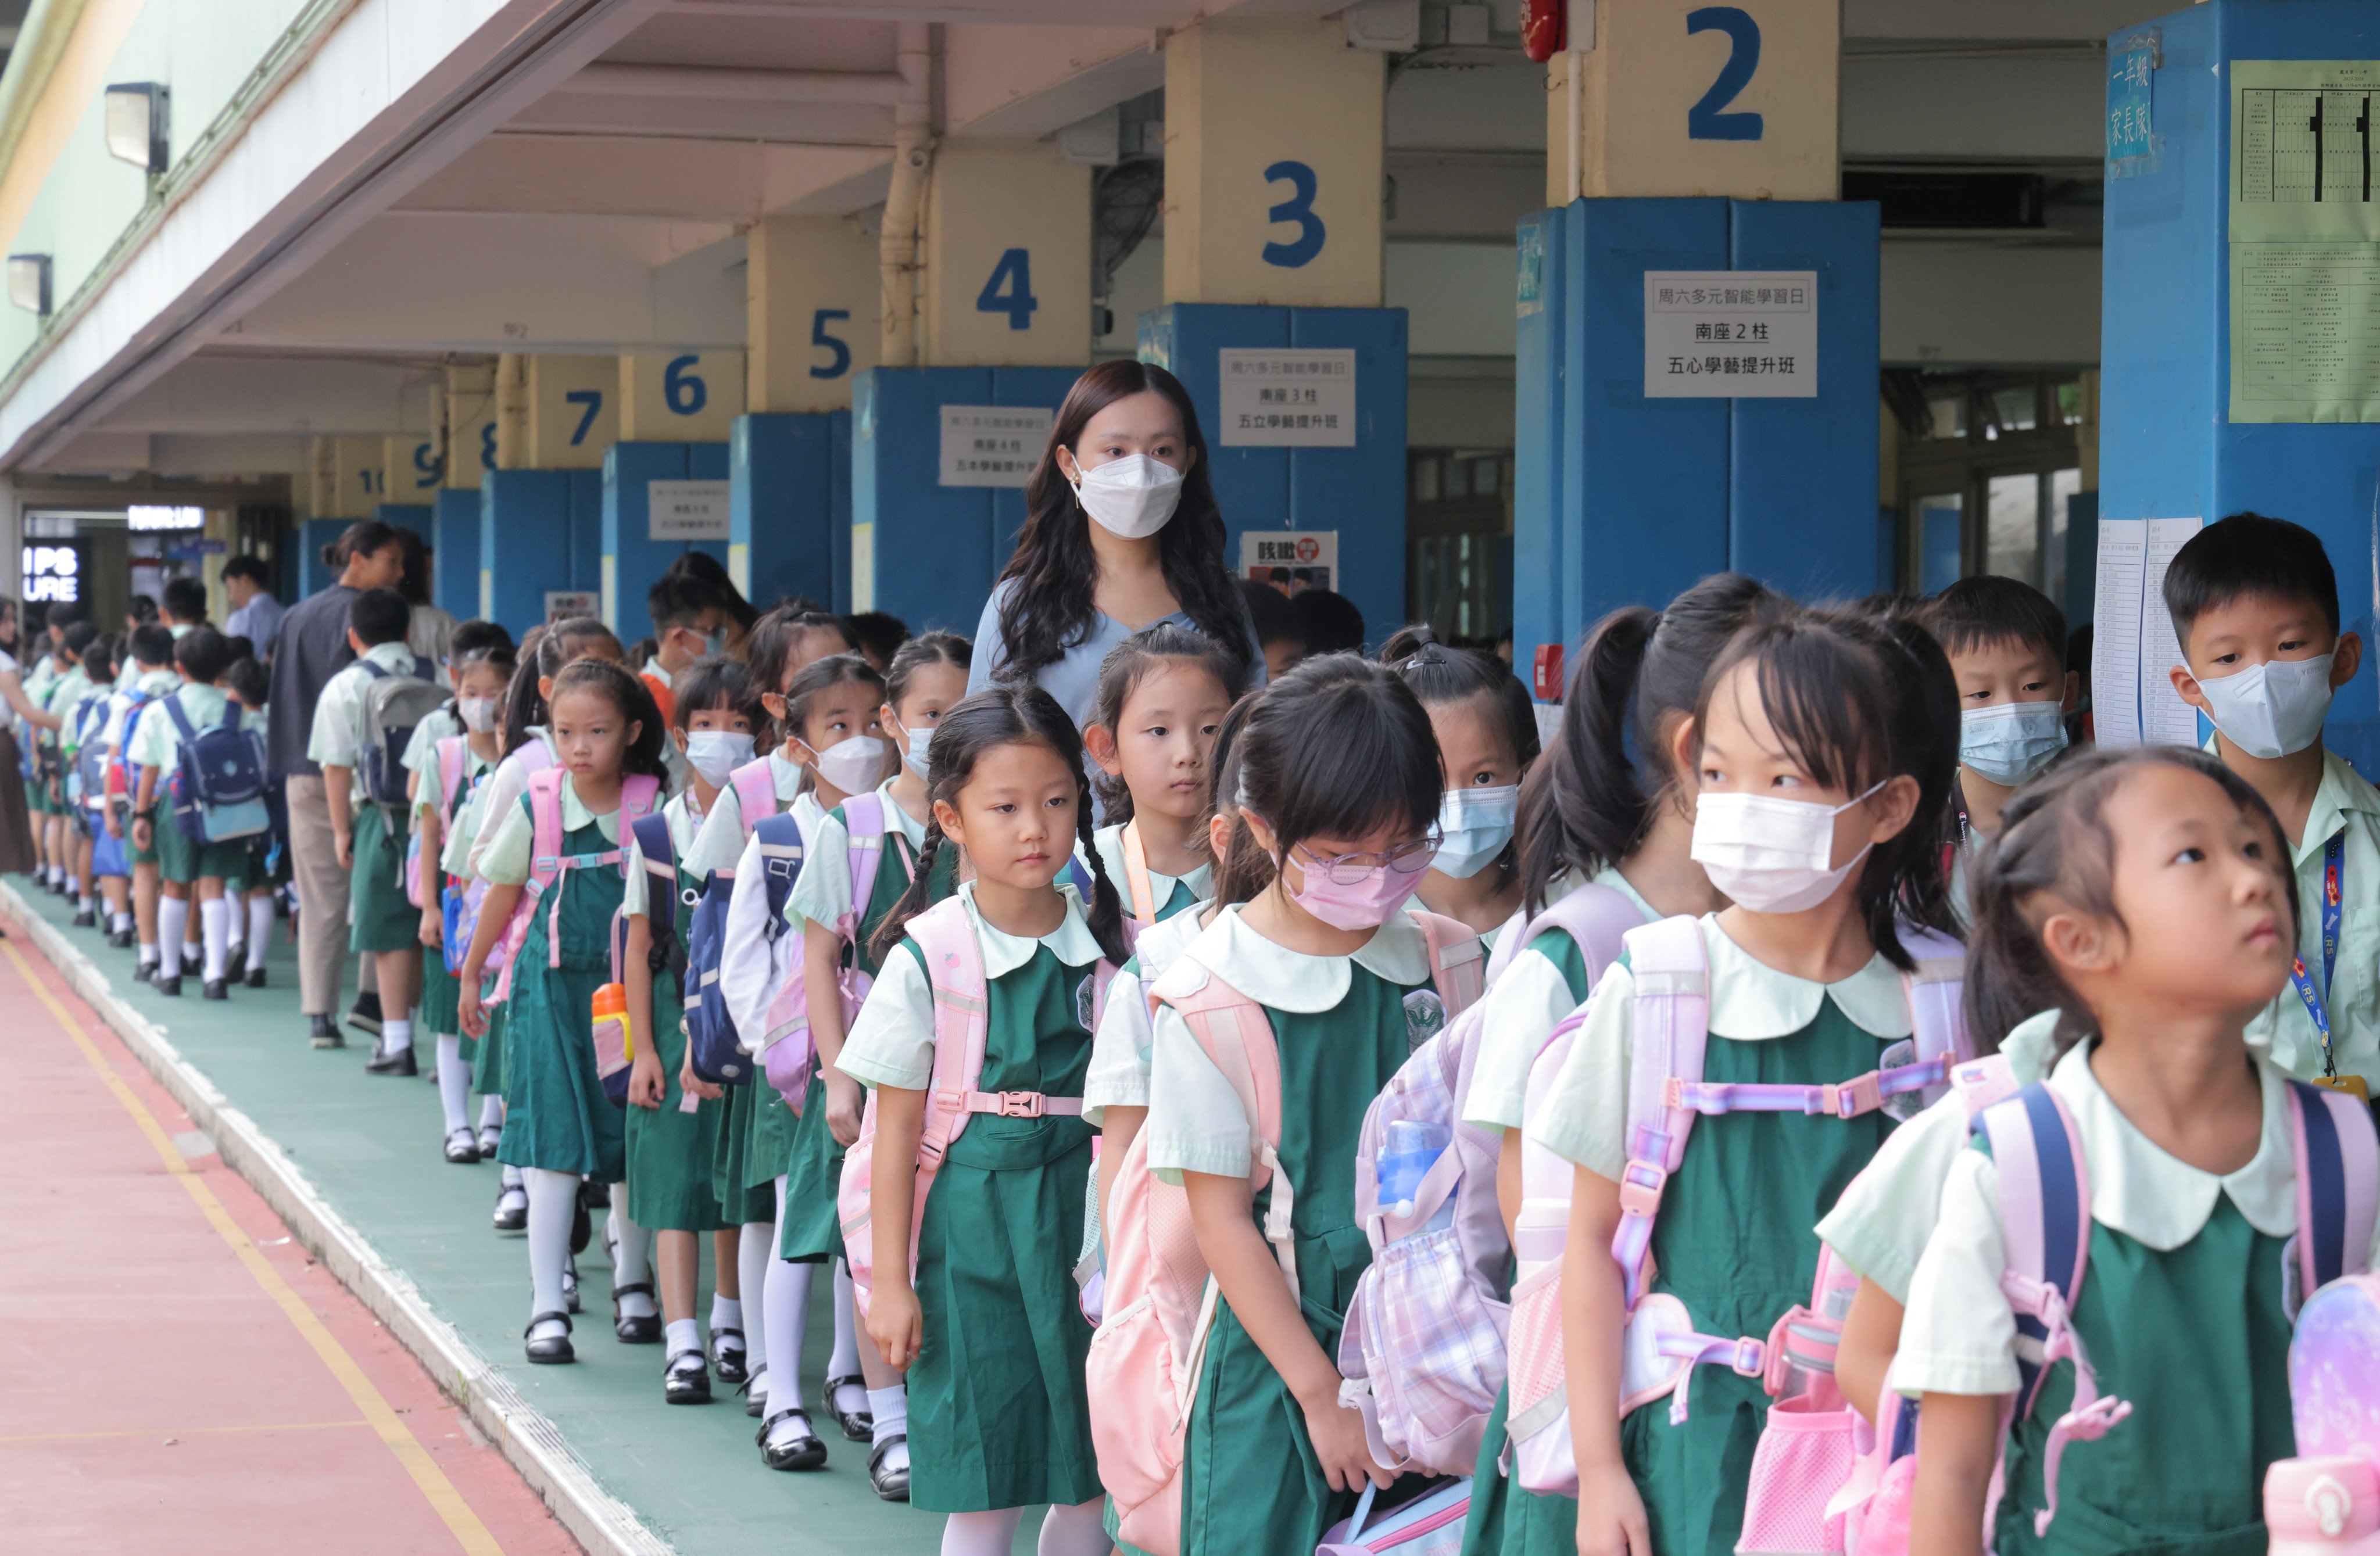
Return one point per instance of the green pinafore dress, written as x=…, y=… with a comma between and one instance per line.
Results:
x=998, y=1416
x=1250, y=1480
x=441, y=1010
x=556, y=1115
x=2198, y=1341
x=813, y=1231
x=1734, y=1242
x=670, y=1150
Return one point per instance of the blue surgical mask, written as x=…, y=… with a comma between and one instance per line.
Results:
x=915, y=755
x=2009, y=743
x=1477, y=826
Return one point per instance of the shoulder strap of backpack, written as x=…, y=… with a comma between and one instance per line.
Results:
x=232, y=715
x=373, y=669
x=863, y=830
x=1142, y=892
x=544, y=795
x=1935, y=1009
x=961, y=1020
x=659, y=850
x=1238, y=1037
x=453, y=757
x=778, y=840
x=1457, y=964
x=1594, y=916
x=1981, y=1082
x=181, y=720
x=1670, y=1026
x=2338, y=1183
x=756, y=792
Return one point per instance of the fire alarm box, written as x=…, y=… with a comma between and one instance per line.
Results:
x=1546, y=681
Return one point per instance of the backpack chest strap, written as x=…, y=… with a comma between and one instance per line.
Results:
x=1845, y=1099
x=1010, y=1105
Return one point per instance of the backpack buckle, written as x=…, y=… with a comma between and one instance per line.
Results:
x=1641, y=1184
x=1854, y=1097
x=1020, y=1104
x=1750, y=1359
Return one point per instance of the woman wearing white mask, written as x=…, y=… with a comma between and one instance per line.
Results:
x=1818, y=744
x=1123, y=532
x=1486, y=739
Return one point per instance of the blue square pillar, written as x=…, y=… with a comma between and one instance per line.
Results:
x=1359, y=491
x=314, y=574
x=927, y=552
x=784, y=532
x=525, y=543
x=629, y=561
x=584, y=506
x=454, y=553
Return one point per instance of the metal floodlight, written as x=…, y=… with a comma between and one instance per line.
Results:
x=28, y=282
x=135, y=122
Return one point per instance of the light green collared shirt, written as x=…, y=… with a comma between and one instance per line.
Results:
x=157, y=743
x=339, y=735
x=1529, y=1000
x=821, y=893
x=2344, y=802
x=1118, y=1076
x=1109, y=842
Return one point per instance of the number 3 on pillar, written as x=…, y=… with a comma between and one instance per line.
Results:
x=1297, y=208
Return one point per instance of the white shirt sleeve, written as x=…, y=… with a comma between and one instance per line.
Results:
x=891, y=1041
x=1118, y=1076
x=750, y=966
x=1880, y=1226
x=155, y=743
x=1959, y=1335
x=337, y=738
x=1586, y=1120
x=1196, y=1122
x=503, y=858
x=1527, y=1002
x=822, y=892
x=499, y=800
x=721, y=841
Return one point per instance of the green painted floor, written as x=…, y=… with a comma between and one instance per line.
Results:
x=372, y=1148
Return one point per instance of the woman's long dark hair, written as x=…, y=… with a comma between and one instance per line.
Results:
x=999, y=716
x=1857, y=701
x=1591, y=802
x=1053, y=574
x=2054, y=843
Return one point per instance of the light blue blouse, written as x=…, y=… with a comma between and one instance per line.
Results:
x=1074, y=680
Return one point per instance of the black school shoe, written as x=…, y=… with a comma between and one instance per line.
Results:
x=327, y=1033
x=555, y=1348
x=755, y=1390
x=143, y=972
x=384, y=1062
x=256, y=974
x=582, y=1227
x=170, y=988
x=728, y=1360
x=806, y=1452
x=121, y=939
x=364, y=1016
x=86, y=919
x=512, y=1208
x=858, y=1426
x=685, y=1380
x=645, y=1331
x=892, y=1485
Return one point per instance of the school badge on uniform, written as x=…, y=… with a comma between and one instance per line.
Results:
x=1425, y=1017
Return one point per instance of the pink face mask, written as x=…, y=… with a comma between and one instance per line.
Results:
x=1367, y=904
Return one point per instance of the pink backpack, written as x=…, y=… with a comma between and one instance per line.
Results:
x=962, y=1017
x=531, y=759
x=787, y=1055
x=452, y=753
x=1160, y=1303
x=1140, y=893
x=548, y=864
x=1666, y=1092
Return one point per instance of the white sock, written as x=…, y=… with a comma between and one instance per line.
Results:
x=785, y=1316
x=259, y=925
x=83, y=903
x=396, y=1036
x=453, y=1082
x=173, y=920
x=845, y=1362
x=632, y=1262
x=550, y=1198
x=755, y=1250
x=981, y=1534
x=891, y=1408
x=1074, y=1531
x=681, y=1334
x=512, y=1177
x=148, y=953
x=213, y=916
x=119, y=923
x=727, y=1312
x=492, y=1106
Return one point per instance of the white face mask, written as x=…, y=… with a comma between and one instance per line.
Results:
x=1771, y=855
x=1474, y=826
x=1131, y=497
x=853, y=766
x=2275, y=708
x=2009, y=743
x=916, y=753
x=478, y=713
x=715, y=753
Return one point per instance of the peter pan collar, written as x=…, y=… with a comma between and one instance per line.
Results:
x=1109, y=841
x=1750, y=1000
x=1004, y=953
x=1162, y=943
x=575, y=813
x=910, y=826
x=2161, y=1200
x=1281, y=979
x=2031, y=1048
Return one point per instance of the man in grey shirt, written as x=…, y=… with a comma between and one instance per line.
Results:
x=255, y=614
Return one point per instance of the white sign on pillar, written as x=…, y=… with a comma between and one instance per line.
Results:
x=1008, y=259
x=676, y=511
x=1273, y=165
x=1287, y=399
x=574, y=411
x=813, y=300
x=681, y=396
x=1731, y=334
x=992, y=445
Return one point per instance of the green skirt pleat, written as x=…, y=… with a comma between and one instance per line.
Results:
x=381, y=920
x=1693, y=1477
x=489, y=1077
x=556, y=1115
x=670, y=1150
x=439, y=1013
x=813, y=1230
x=739, y=1204
x=998, y=1416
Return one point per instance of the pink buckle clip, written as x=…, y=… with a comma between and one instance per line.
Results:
x=1020, y=1104
x=1641, y=1184
x=1861, y=1095
x=1751, y=1358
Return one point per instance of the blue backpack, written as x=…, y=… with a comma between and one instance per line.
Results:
x=217, y=785
x=713, y=1046
x=88, y=782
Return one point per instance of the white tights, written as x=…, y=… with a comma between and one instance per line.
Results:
x=551, y=1199
x=784, y=1317
x=1067, y=1531
x=755, y=1250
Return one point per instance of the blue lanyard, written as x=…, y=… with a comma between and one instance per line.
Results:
x=2333, y=872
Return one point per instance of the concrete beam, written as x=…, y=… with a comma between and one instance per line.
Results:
x=1950, y=305
x=1026, y=82
x=301, y=396
x=668, y=178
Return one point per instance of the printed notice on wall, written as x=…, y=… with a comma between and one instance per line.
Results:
x=1292, y=560
x=992, y=445
x=1288, y=399
x=2134, y=648
x=2305, y=241
x=562, y=605
x=1730, y=334
x=685, y=510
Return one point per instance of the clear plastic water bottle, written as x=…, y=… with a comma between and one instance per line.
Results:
x=1413, y=1145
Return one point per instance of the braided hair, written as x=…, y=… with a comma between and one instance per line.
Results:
x=1016, y=713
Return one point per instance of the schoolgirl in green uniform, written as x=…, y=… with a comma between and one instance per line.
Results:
x=1161, y=695
x=480, y=674
x=927, y=677
x=827, y=719
x=1487, y=742
x=2146, y=897
x=1339, y=786
x=990, y=1327
x=559, y=1126
x=1822, y=746
x=673, y=1129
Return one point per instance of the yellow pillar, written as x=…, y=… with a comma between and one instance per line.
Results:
x=1007, y=267
x=570, y=413
x=1664, y=102
x=358, y=477
x=1272, y=166
x=470, y=411
x=414, y=470
x=813, y=300
x=680, y=396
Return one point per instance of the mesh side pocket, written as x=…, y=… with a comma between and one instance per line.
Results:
x=1535, y=1356
x=1803, y=1459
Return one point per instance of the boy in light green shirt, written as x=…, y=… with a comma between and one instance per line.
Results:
x=200, y=657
